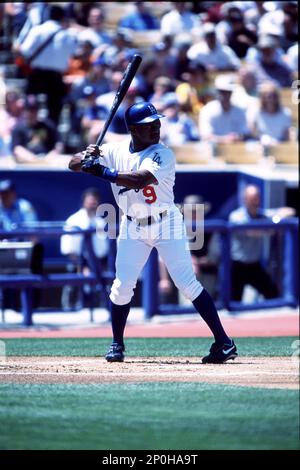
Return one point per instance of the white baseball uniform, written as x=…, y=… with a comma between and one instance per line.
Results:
x=167, y=231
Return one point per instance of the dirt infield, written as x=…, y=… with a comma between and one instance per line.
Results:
x=275, y=372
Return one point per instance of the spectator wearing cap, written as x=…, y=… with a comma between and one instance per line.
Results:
x=270, y=122
x=233, y=31
x=95, y=32
x=211, y=53
x=34, y=138
x=254, y=53
x=52, y=62
x=177, y=128
x=269, y=63
x=179, y=20
x=195, y=90
x=140, y=19
x=14, y=210
x=219, y=120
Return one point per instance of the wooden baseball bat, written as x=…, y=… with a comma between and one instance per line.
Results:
x=128, y=76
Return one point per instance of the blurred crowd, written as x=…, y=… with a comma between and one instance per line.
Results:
x=216, y=70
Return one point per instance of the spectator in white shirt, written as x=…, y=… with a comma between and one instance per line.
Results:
x=211, y=53
x=247, y=249
x=282, y=21
x=270, y=122
x=72, y=245
x=84, y=218
x=179, y=20
x=50, y=64
x=219, y=120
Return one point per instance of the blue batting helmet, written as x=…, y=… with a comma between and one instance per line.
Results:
x=141, y=113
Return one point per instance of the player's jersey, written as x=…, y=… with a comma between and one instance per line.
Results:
x=159, y=160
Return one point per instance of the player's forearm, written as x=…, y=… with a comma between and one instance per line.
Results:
x=135, y=179
x=131, y=180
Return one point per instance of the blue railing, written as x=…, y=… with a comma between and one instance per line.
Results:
x=26, y=282
x=290, y=269
x=150, y=295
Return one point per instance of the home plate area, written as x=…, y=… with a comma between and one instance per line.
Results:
x=269, y=372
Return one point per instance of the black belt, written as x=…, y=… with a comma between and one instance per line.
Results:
x=147, y=220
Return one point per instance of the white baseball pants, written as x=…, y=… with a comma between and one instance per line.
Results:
x=134, y=245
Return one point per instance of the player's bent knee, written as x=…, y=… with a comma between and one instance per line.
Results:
x=121, y=293
x=192, y=291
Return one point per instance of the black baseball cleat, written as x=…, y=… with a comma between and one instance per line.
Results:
x=115, y=353
x=220, y=353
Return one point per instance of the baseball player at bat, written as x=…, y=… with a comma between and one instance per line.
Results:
x=141, y=171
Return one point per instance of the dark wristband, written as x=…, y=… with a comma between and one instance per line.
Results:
x=110, y=174
x=94, y=167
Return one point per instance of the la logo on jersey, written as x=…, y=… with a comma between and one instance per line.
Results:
x=156, y=158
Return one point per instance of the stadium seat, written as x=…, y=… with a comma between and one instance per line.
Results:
x=285, y=153
x=114, y=11
x=193, y=152
x=289, y=98
x=240, y=152
x=146, y=39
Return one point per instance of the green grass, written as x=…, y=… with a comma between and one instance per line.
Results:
x=147, y=416
x=143, y=347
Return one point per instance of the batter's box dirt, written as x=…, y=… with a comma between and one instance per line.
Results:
x=274, y=372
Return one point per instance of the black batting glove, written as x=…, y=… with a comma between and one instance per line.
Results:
x=92, y=166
